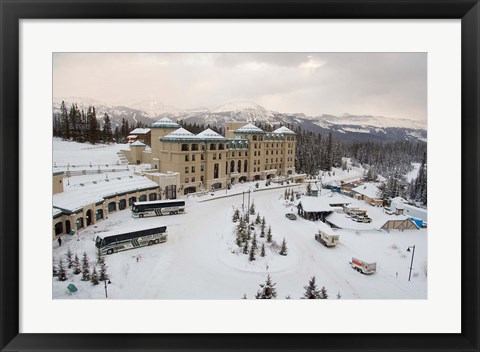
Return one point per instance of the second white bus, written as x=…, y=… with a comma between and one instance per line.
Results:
x=158, y=207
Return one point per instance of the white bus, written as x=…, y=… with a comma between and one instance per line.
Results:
x=157, y=207
x=116, y=241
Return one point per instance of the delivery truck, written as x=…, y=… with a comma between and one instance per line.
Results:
x=328, y=240
x=363, y=267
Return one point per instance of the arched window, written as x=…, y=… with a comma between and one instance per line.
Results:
x=232, y=166
x=245, y=167
x=239, y=167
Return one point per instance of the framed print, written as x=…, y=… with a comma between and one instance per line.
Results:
x=204, y=156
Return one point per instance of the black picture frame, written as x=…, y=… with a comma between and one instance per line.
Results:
x=12, y=11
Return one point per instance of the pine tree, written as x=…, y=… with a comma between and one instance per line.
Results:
x=311, y=291
x=244, y=296
x=267, y=290
x=94, y=279
x=76, y=265
x=85, y=267
x=262, y=228
x=107, y=129
x=283, y=248
x=69, y=258
x=241, y=231
x=269, y=235
x=323, y=293
x=339, y=295
x=65, y=123
x=257, y=219
x=262, y=251
x=254, y=241
x=54, y=267
x=236, y=215
x=252, y=208
x=61, y=271
x=245, y=248
x=103, y=271
x=251, y=256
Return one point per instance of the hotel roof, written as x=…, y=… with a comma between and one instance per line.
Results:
x=284, y=130
x=165, y=123
x=249, y=128
x=209, y=134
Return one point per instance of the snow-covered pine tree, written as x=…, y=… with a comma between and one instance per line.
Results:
x=269, y=235
x=252, y=208
x=254, y=241
x=339, y=295
x=85, y=267
x=94, y=279
x=262, y=229
x=262, y=251
x=241, y=231
x=62, y=270
x=54, y=267
x=323, y=293
x=311, y=290
x=283, y=248
x=257, y=219
x=245, y=248
x=267, y=290
x=69, y=258
x=103, y=271
x=251, y=256
x=236, y=215
x=76, y=265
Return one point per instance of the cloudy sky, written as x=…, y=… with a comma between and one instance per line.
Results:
x=386, y=84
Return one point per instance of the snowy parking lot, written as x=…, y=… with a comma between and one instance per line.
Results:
x=200, y=260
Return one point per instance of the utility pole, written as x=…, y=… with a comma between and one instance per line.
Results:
x=243, y=200
x=411, y=262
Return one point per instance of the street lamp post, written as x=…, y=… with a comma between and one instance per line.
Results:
x=411, y=262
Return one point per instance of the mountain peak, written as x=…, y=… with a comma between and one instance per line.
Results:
x=238, y=106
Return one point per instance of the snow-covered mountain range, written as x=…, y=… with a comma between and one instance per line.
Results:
x=345, y=127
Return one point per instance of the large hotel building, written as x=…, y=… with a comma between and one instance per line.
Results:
x=208, y=160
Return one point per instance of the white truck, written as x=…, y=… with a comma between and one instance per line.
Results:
x=328, y=240
x=363, y=266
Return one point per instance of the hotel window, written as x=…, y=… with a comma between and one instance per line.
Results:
x=193, y=179
x=202, y=168
x=220, y=155
x=186, y=158
x=202, y=156
x=186, y=180
x=233, y=154
x=254, y=138
x=184, y=147
x=201, y=179
x=213, y=146
x=186, y=169
x=214, y=156
x=193, y=157
x=193, y=169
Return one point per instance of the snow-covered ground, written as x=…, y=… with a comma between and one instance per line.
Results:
x=200, y=260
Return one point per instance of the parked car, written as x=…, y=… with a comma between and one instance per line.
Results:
x=291, y=216
x=367, y=219
x=358, y=218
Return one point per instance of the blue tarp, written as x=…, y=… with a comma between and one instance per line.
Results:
x=418, y=222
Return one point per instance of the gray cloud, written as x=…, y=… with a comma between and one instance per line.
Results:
x=388, y=84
